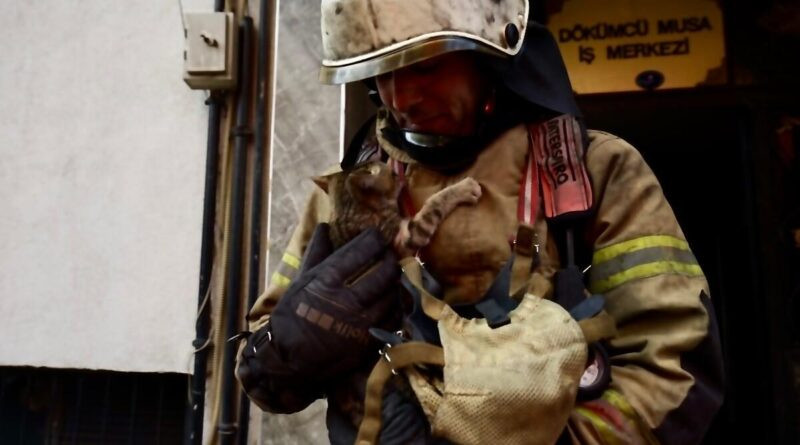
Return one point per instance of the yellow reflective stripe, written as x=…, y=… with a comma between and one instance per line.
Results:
x=615, y=398
x=619, y=402
x=644, y=242
x=614, y=420
x=603, y=427
x=645, y=271
x=281, y=280
x=291, y=260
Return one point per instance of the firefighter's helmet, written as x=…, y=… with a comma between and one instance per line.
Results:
x=365, y=38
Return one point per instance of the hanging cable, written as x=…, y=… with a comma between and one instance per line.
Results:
x=183, y=18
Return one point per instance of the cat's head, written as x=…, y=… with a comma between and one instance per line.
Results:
x=371, y=183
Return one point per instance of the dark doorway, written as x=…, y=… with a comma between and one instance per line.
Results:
x=705, y=148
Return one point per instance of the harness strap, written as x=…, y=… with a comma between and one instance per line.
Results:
x=394, y=359
x=557, y=148
x=431, y=305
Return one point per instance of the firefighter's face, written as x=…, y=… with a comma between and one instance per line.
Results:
x=442, y=95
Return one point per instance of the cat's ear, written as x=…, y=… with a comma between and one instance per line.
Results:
x=324, y=181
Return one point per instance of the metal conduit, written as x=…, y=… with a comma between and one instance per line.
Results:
x=228, y=425
x=263, y=96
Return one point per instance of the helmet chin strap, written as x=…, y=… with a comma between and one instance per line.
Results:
x=444, y=153
x=451, y=154
x=427, y=140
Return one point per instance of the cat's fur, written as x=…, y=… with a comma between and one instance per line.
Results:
x=367, y=196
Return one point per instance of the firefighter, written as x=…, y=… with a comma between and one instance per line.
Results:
x=477, y=89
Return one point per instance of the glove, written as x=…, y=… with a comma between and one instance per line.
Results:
x=319, y=328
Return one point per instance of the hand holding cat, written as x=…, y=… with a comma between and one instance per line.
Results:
x=321, y=323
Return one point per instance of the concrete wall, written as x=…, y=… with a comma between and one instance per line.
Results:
x=306, y=138
x=102, y=151
x=306, y=142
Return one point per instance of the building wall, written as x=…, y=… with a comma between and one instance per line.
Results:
x=102, y=154
x=306, y=138
x=306, y=142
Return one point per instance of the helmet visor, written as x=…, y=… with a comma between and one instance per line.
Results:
x=401, y=57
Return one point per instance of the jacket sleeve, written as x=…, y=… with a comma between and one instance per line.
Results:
x=268, y=379
x=316, y=211
x=667, y=373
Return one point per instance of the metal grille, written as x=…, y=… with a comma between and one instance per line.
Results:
x=46, y=406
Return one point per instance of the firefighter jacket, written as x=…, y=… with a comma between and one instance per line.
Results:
x=666, y=360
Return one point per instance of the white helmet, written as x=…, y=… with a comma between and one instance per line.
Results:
x=365, y=38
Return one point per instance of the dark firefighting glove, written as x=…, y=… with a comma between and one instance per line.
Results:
x=319, y=328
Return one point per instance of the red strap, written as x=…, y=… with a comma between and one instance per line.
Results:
x=528, y=200
x=405, y=198
x=558, y=148
x=555, y=161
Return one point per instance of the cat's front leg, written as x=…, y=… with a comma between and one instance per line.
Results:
x=424, y=224
x=465, y=191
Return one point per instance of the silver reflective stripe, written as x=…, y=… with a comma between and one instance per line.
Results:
x=286, y=271
x=638, y=257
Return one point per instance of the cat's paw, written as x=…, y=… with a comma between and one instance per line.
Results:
x=469, y=190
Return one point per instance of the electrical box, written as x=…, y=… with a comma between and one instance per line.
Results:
x=210, y=52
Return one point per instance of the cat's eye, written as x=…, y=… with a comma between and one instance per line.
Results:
x=374, y=170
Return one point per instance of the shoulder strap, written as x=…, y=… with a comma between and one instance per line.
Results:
x=556, y=165
x=559, y=145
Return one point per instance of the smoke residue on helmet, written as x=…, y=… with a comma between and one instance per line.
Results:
x=369, y=28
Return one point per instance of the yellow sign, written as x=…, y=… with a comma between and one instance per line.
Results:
x=625, y=45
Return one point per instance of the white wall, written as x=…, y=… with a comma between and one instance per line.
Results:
x=102, y=154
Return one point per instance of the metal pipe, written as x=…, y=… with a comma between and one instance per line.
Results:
x=227, y=425
x=195, y=409
x=263, y=95
x=196, y=406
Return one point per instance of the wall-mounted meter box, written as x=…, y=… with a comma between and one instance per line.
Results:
x=210, y=52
